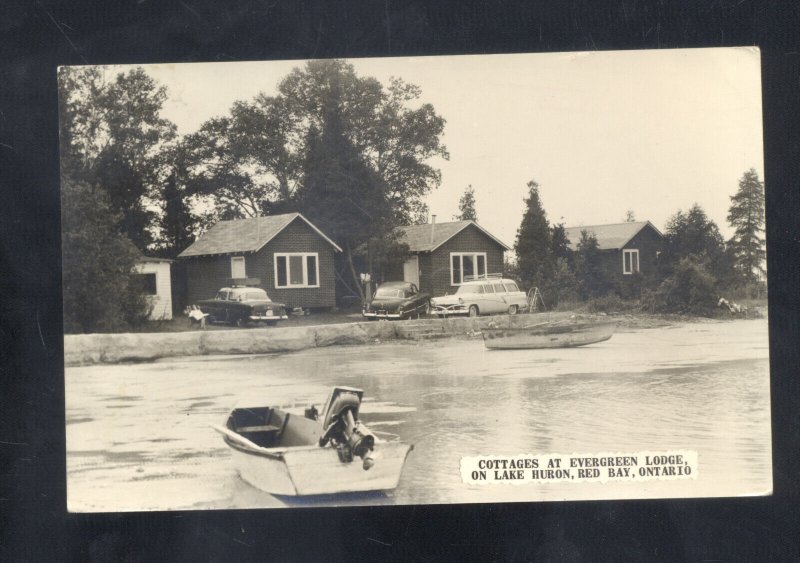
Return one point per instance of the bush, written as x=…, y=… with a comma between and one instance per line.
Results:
x=610, y=303
x=689, y=289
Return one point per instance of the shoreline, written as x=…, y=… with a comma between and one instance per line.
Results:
x=93, y=349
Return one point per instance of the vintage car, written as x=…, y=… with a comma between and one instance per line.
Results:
x=485, y=296
x=240, y=305
x=397, y=300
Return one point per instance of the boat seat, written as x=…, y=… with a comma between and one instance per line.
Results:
x=262, y=428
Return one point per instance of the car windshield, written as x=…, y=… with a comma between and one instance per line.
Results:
x=222, y=296
x=389, y=292
x=470, y=288
x=253, y=295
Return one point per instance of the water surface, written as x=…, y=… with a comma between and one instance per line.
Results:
x=138, y=436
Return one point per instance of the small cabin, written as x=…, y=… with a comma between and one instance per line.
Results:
x=155, y=274
x=626, y=249
x=444, y=255
x=291, y=258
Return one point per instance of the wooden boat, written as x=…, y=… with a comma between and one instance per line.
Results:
x=289, y=454
x=547, y=335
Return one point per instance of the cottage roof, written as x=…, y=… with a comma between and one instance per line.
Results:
x=245, y=235
x=430, y=236
x=609, y=237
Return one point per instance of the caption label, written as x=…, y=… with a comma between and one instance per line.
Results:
x=580, y=468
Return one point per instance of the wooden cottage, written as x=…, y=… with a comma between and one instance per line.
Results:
x=290, y=257
x=445, y=254
x=626, y=249
x=155, y=274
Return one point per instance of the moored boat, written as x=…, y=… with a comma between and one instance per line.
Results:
x=288, y=454
x=547, y=335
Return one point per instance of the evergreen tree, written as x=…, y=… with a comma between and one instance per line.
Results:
x=466, y=206
x=746, y=216
x=560, y=242
x=534, y=242
x=591, y=278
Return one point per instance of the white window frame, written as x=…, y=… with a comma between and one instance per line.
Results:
x=244, y=266
x=289, y=283
x=633, y=252
x=461, y=255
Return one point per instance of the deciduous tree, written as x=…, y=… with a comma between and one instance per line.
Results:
x=111, y=132
x=100, y=292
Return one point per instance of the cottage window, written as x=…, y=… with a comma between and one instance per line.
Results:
x=630, y=261
x=465, y=266
x=148, y=283
x=297, y=269
x=237, y=267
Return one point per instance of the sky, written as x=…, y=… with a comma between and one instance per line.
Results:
x=601, y=132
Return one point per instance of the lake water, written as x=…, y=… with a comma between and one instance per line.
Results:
x=138, y=436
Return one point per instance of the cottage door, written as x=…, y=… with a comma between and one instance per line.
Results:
x=411, y=270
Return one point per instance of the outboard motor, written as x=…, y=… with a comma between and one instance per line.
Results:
x=342, y=428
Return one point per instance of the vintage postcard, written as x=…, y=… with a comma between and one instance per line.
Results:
x=461, y=279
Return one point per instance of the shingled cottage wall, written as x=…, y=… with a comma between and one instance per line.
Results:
x=207, y=274
x=435, y=266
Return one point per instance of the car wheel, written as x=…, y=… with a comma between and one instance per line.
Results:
x=513, y=310
x=473, y=310
x=271, y=323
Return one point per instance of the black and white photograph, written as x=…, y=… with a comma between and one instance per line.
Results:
x=417, y=280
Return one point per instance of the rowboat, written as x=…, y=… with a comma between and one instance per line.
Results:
x=288, y=454
x=547, y=335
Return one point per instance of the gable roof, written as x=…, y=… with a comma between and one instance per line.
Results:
x=418, y=237
x=609, y=237
x=245, y=235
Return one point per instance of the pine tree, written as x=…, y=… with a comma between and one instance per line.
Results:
x=534, y=242
x=466, y=206
x=746, y=216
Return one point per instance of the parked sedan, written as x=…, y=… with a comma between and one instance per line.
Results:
x=242, y=305
x=482, y=297
x=397, y=300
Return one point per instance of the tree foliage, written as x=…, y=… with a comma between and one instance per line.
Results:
x=591, y=278
x=690, y=288
x=254, y=160
x=746, y=216
x=693, y=234
x=466, y=206
x=100, y=292
x=534, y=242
x=111, y=133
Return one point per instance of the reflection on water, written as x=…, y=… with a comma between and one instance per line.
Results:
x=701, y=387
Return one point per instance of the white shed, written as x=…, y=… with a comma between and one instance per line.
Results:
x=158, y=284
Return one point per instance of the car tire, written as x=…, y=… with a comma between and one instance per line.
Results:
x=473, y=311
x=270, y=323
x=513, y=310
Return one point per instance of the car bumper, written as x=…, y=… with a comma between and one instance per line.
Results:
x=450, y=310
x=381, y=315
x=268, y=317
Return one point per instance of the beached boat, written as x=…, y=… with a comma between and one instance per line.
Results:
x=547, y=335
x=289, y=454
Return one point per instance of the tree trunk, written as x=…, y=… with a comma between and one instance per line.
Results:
x=356, y=279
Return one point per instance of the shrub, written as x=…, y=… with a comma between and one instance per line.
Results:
x=689, y=289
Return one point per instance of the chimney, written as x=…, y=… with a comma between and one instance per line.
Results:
x=433, y=226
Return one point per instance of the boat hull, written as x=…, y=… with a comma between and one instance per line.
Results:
x=312, y=470
x=548, y=336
